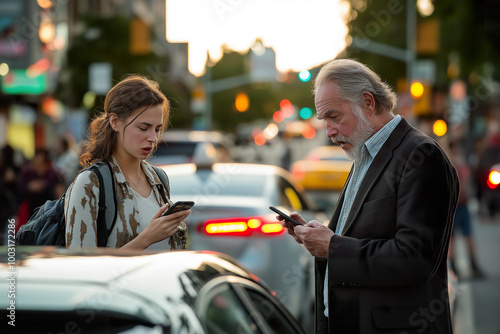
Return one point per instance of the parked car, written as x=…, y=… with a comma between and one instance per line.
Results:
x=183, y=146
x=53, y=290
x=232, y=216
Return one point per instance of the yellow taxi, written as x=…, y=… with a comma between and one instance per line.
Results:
x=324, y=168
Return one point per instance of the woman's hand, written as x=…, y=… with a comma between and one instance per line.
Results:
x=159, y=228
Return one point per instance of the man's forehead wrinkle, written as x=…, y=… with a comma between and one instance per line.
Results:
x=330, y=103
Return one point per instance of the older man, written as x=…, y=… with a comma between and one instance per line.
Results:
x=381, y=262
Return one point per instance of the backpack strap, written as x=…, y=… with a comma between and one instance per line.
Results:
x=106, y=217
x=164, y=180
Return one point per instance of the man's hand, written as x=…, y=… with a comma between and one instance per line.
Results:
x=315, y=237
x=289, y=226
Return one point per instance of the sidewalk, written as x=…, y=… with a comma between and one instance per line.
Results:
x=478, y=301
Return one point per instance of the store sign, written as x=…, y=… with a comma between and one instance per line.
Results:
x=19, y=82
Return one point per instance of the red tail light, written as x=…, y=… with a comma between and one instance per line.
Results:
x=242, y=227
x=493, y=179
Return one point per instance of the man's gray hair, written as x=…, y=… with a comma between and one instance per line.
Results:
x=353, y=79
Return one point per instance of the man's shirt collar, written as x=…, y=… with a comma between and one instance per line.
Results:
x=375, y=142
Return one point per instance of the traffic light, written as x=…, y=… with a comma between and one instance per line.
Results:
x=305, y=113
x=140, y=38
x=421, y=93
x=241, y=102
x=304, y=75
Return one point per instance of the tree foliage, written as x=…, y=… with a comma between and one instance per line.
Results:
x=469, y=30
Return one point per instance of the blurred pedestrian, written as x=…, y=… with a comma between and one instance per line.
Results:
x=39, y=182
x=381, y=262
x=462, y=221
x=67, y=159
x=135, y=114
x=286, y=158
x=9, y=170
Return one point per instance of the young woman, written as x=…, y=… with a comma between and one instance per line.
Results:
x=135, y=115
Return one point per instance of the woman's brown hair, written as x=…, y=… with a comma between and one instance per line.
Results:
x=123, y=99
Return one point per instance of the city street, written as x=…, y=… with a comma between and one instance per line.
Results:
x=232, y=90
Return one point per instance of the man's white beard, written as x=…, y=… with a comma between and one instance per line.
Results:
x=363, y=131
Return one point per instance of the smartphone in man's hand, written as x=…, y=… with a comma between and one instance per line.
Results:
x=179, y=206
x=284, y=215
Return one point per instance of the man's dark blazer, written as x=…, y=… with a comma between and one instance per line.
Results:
x=388, y=269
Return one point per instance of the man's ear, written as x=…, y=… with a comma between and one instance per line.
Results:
x=369, y=102
x=113, y=121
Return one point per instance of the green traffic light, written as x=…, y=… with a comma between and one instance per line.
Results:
x=305, y=113
x=304, y=75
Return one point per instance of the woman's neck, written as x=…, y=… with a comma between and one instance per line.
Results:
x=130, y=166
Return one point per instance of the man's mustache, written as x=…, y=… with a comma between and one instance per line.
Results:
x=340, y=139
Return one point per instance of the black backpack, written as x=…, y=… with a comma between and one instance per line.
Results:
x=47, y=225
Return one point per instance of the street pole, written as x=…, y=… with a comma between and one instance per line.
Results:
x=411, y=40
x=207, y=84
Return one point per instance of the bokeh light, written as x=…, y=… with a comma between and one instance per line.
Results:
x=439, y=128
x=305, y=113
x=417, y=90
x=4, y=69
x=304, y=75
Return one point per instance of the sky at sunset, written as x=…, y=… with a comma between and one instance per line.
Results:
x=303, y=33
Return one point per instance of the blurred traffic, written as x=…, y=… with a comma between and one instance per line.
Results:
x=177, y=147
